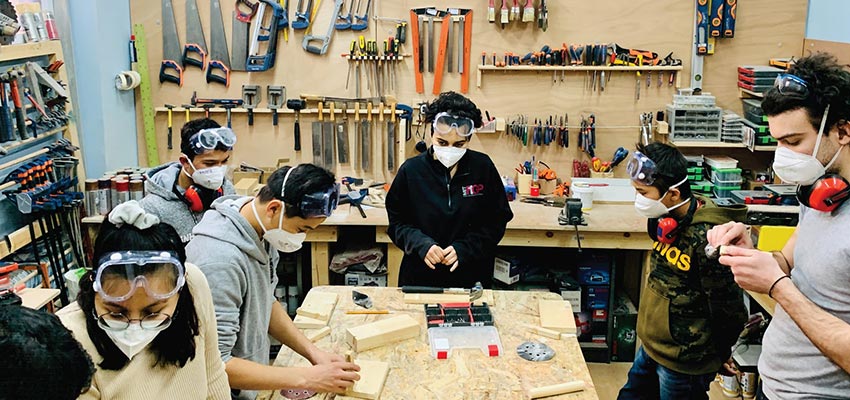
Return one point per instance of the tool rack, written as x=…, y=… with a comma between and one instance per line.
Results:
x=574, y=68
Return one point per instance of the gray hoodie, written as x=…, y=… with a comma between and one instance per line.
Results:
x=161, y=200
x=242, y=280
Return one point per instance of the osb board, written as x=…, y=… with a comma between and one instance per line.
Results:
x=571, y=21
x=414, y=374
x=838, y=49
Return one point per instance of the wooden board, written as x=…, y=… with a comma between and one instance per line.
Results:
x=432, y=298
x=504, y=95
x=246, y=186
x=302, y=322
x=838, y=49
x=373, y=375
x=318, y=305
x=319, y=334
x=379, y=333
x=557, y=315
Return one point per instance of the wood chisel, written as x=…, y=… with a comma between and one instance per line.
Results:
x=239, y=45
x=195, y=41
x=219, y=57
x=391, y=139
x=328, y=140
x=342, y=136
x=358, y=136
x=366, y=140
x=379, y=151
x=317, y=136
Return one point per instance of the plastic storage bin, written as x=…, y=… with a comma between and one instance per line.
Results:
x=694, y=124
x=725, y=192
x=720, y=175
x=720, y=162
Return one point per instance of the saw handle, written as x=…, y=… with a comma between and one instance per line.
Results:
x=191, y=48
x=212, y=77
x=246, y=17
x=164, y=76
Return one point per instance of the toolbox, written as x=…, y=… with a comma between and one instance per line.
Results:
x=760, y=71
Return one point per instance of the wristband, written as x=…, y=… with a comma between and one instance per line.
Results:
x=770, y=292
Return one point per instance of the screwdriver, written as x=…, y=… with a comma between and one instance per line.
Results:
x=351, y=49
x=401, y=32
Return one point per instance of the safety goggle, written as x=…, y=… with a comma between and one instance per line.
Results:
x=791, y=85
x=445, y=122
x=209, y=139
x=320, y=204
x=641, y=168
x=119, y=274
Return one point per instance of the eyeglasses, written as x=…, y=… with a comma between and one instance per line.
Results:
x=791, y=85
x=445, y=122
x=119, y=322
x=208, y=139
x=641, y=168
x=139, y=269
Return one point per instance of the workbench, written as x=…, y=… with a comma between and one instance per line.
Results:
x=466, y=374
x=609, y=226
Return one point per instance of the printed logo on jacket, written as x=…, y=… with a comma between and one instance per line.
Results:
x=473, y=190
x=673, y=255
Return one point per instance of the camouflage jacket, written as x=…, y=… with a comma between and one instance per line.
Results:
x=691, y=311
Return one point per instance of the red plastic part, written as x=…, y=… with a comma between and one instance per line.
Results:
x=442, y=355
x=494, y=350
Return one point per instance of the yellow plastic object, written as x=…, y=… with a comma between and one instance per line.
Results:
x=772, y=238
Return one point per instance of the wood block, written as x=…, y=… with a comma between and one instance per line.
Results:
x=318, y=305
x=546, y=332
x=302, y=322
x=246, y=186
x=433, y=298
x=373, y=375
x=562, y=388
x=315, y=336
x=379, y=333
x=557, y=315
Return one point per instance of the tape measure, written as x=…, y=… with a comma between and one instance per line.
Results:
x=148, y=115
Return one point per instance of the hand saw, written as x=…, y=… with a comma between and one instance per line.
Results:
x=170, y=47
x=195, y=42
x=219, y=57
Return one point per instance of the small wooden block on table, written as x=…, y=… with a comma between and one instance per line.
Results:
x=302, y=322
x=318, y=305
x=379, y=333
x=373, y=375
x=557, y=315
x=318, y=334
x=434, y=298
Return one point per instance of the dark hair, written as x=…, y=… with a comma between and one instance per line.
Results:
x=828, y=83
x=453, y=103
x=305, y=179
x=42, y=360
x=671, y=167
x=192, y=127
x=173, y=346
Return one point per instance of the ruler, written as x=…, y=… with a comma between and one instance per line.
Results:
x=148, y=115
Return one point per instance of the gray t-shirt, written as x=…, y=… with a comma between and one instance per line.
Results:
x=790, y=365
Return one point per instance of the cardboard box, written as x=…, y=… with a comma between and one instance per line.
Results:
x=596, y=297
x=594, y=269
x=506, y=270
x=624, y=320
x=364, y=279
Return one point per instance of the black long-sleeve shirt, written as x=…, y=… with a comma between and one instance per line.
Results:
x=427, y=206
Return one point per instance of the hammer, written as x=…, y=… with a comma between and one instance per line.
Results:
x=297, y=105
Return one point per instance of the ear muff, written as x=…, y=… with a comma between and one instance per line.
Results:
x=666, y=230
x=826, y=194
x=199, y=199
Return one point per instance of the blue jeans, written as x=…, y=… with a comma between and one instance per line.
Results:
x=650, y=380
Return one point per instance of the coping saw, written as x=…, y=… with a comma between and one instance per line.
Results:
x=326, y=40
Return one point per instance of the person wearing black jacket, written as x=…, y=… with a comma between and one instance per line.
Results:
x=447, y=206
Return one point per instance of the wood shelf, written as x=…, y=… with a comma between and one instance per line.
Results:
x=96, y=219
x=306, y=111
x=742, y=92
x=764, y=300
x=575, y=68
x=719, y=145
x=30, y=50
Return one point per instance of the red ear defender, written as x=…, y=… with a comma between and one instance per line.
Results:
x=826, y=194
x=198, y=198
x=667, y=228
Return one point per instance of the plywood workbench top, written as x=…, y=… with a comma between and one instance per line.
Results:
x=602, y=218
x=467, y=374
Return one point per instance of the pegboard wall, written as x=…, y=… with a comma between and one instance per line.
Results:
x=765, y=29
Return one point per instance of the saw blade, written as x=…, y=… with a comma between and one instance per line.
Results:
x=239, y=62
x=194, y=29
x=218, y=39
x=171, y=49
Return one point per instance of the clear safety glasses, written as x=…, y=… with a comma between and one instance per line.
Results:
x=120, y=274
x=208, y=139
x=445, y=122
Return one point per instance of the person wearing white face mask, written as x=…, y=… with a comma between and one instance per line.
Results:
x=179, y=192
x=236, y=245
x=447, y=207
x=691, y=311
x=804, y=350
x=145, y=316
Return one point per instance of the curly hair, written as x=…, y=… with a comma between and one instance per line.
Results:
x=456, y=104
x=828, y=83
x=305, y=179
